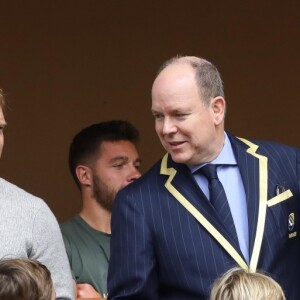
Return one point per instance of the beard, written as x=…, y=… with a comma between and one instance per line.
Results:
x=103, y=194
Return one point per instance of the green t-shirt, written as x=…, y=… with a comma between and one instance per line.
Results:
x=88, y=252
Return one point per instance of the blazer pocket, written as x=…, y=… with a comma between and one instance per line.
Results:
x=279, y=198
x=284, y=214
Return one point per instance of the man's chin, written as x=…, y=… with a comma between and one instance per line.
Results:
x=179, y=158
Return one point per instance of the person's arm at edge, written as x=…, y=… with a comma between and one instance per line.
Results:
x=49, y=249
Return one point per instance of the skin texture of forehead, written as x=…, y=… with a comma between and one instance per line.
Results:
x=192, y=63
x=173, y=74
x=175, y=78
x=198, y=71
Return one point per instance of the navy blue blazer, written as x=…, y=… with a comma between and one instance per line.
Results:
x=168, y=243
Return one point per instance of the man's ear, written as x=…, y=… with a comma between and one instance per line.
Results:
x=84, y=175
x=218, y=106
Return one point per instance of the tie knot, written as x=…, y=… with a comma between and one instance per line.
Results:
x=209, y=171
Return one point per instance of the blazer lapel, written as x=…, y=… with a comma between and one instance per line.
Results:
x=254, y=172
x=184, y=183
x=180, y=183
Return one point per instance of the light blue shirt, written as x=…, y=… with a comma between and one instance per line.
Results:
x=231, y=180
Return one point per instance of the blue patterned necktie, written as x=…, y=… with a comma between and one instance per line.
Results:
x=218, y=198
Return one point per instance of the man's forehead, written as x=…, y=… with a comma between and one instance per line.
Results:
x=176, y=69
x=113, y=147
x=174, y=76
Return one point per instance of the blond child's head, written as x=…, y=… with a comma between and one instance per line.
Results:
x=238, y=284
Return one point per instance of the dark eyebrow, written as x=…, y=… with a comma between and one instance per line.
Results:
x=124, y=159
x=117, y=158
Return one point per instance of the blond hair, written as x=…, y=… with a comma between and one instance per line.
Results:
x=238, y=284
x=24, y=279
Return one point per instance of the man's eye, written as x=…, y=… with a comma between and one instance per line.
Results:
x=157, y=116
x=119, y=166
x=181, y=116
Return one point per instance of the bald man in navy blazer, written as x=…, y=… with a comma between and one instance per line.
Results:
x=168, y=240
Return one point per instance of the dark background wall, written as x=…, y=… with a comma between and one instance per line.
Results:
x=67, y=64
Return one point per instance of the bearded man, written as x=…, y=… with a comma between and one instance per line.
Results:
x=103, y=158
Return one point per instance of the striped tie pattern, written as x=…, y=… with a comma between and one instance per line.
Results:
x=218, y=198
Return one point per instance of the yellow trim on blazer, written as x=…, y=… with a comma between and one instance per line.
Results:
x=201, y=219
x=263, y=188
x=263, y=194
x=279, y=198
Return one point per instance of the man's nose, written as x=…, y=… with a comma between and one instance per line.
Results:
x=134, y=174
x=168, y=126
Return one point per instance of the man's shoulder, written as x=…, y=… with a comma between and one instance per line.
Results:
x=69, y=224
x=270, y=146
x=75, y=227
x=10, y=192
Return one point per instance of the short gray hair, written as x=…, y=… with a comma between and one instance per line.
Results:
x=207, y=76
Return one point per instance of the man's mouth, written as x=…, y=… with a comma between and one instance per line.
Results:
x=175, y=145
